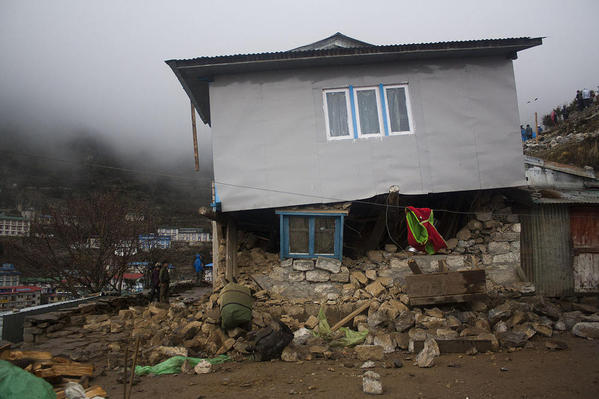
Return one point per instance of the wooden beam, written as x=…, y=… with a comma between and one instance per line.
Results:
x=433, y=288
x=350, y=316
x=231, y=251
x=414, y=267
x=195, y=138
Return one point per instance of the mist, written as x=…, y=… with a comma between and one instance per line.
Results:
x=97, y=67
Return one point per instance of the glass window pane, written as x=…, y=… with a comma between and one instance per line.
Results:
x=299, y=235
x=398, y=111
x=324, y=235
x=337, y=110
x=368, y=111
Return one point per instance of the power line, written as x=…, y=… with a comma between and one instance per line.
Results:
x=314, y=196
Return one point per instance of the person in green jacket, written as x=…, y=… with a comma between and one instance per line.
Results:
x=165, y=281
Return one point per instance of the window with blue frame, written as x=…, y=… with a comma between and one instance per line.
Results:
x=371, y=111
x=311, y=234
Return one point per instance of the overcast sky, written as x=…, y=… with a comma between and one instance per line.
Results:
x=99, y=65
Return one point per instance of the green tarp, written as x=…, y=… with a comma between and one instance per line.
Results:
x=16, y=383
x=351, y=337
x=173, y=365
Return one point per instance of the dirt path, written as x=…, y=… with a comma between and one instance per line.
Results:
x=529, y=373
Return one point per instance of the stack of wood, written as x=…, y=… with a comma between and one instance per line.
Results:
x=57, y=370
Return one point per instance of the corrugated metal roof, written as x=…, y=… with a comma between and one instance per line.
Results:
x=195, y=74
x=513, y=44
x=554, y=196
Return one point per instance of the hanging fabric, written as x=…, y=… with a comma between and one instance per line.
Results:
x=422, y=233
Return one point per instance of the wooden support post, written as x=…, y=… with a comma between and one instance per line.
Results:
x=350, y=316
x=414, y=267
x=195, y=137
x=231, y=250
x=215, y=253
x=536, y=128
x=133, y=367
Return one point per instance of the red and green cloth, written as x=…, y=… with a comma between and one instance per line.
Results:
x=422, y=233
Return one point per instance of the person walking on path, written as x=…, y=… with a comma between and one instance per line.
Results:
x=155, y=282
x=199, y=266
x=165, y=281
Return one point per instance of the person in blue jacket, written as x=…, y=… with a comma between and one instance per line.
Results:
x=199, y=266
x=523, y=133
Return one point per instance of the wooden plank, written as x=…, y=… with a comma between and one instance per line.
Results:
x=195, y=137
x=448, y=283
x=443, y=266
x=414, y=267
x=458, y=345
x=432, y=300
x=96, y=390
x=30, y=355
x=69, y=369
x=350, y=316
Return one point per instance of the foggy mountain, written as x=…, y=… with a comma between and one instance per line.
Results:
x=37, y=169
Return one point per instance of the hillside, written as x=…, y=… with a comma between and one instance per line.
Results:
x=36, y=171
x=574, y=141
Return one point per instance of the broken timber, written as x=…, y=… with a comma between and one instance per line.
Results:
x=350, y=316
x=446, y=287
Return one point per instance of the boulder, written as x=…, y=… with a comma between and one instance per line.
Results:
x=512, y=339
x=586, y=329
x=375, y=256
x=289, y=355
x=426, y=357
x=331, y=265
x=342, y=276
x=371, y=274
x=203, y=367
x=360, y=277
x=303, y=265
x=405, y=321
x=464, y=234
x=375, y=289
x=317, y=276
x=301, y=336
x=385, y=341
x=501, y=312
x=369, y=352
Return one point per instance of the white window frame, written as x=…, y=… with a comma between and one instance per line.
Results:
x=349, y=114
x=408, y=109
x=379, y=111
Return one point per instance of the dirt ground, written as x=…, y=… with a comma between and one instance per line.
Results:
x=528, y=373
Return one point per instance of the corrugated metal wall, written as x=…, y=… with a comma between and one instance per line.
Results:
x=545, y=249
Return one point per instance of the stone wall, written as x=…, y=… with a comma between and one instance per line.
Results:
x=490, y=240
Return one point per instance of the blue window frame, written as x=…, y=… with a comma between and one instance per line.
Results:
x=311, y=234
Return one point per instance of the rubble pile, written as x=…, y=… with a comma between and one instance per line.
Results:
x=191, y=327
x=552, y=141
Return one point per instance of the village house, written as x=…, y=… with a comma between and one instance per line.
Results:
x=317, y=148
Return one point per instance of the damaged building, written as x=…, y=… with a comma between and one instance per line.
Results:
x=318, y=150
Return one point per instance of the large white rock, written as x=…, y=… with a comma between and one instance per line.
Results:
x=371, y=383
x=426, y=357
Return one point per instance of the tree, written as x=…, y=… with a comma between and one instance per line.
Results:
x=84, y=244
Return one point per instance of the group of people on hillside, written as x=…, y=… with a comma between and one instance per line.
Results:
x=584, y=98
x=159, y=278
x=528, y=132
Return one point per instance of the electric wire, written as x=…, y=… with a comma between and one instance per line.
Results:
x=314, y=196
